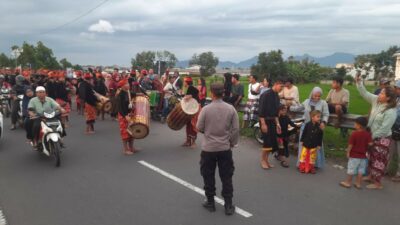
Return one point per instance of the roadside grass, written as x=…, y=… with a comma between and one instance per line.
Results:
x=335, y=144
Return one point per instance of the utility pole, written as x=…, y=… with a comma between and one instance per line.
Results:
x=397, y=70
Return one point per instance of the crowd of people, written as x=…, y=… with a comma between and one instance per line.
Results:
x=268, y=102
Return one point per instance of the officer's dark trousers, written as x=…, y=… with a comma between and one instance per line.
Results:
x=208, y=165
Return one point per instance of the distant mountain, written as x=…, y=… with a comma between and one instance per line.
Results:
x=331, y=60
x=328, y=61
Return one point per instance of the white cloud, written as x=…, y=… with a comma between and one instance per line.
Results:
x=103, y=26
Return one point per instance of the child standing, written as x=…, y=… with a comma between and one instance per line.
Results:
x=359, y=142
x=283, y=136
x=311, y=142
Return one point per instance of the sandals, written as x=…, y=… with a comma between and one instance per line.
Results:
x=284, y=164
x=396, y=178
x=358, y=186
x=277, y=157
x=374, y=187
x=345, y=184
x=367, y=179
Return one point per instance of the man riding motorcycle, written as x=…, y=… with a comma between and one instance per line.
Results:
x=36, y=107
x=3, y=83
x=18, y=89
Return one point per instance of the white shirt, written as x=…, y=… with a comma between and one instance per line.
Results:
x=168, y=89
x=253, y=87
x=291, y=93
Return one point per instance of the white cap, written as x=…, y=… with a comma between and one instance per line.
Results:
x=40, y=88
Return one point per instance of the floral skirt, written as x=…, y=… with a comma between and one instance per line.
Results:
x=90, y=113
x=251, y=110
x=191, y=130
x=379, y=158
x=123, y=128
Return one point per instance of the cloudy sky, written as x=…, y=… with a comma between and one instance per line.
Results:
x=234, y=30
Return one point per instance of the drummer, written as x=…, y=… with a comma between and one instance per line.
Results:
x=125, y=108
x=191, y=131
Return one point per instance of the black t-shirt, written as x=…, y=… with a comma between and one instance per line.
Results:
x=193, y=92
x=312, y=135
x=269, y=104
x=123, y=103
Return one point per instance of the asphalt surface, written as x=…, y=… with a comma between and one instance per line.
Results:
x=97, y=185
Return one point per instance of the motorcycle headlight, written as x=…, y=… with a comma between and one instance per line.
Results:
x=49, y=115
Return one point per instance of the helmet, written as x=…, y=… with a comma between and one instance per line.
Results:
x=20, y=79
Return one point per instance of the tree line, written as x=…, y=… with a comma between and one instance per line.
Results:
x=34, y=57
x=270, y=64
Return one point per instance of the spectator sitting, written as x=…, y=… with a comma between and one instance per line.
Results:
x=237, y=91
x=338, y=99
x=251, y=110
x=290, y=94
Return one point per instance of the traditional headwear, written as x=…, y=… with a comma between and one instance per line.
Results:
x=78, y=73
x=26, y=73
x=188, y=79
x=144, y=72
x=51, y=74
x=87, y=76
x=133, y=72
x=122, y=83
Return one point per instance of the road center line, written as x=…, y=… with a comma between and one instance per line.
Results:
x=3, y=220
x=191, y=187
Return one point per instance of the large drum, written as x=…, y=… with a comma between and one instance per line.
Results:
x=139, y=122
x=182, y=114
x=154, y=97
x=104, y=106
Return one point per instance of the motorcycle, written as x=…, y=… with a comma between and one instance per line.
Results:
x=258, y=134
x=50, y=136
x=5, y=99
x=1, y=126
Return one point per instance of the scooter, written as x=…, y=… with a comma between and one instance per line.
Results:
x=50, y=136
x=5, y=99
x=1, y=126
x=258, y=134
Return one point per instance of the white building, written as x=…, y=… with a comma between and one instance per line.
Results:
x=352, y=70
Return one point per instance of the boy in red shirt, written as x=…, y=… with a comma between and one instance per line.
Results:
x=359, y=142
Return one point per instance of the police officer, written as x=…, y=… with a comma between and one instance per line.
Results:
x=219, y=123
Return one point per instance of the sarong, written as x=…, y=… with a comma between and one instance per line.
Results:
x=379, y=158
x=90, y=113
x=123, y=126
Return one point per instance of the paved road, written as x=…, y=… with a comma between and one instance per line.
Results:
x=97, y=185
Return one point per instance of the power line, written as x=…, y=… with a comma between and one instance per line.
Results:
x=75, y=19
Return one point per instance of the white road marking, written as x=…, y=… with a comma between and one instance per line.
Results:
x=192, y=187
x=3, y=220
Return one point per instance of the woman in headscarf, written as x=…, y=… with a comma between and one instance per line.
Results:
x=382, y=117
x=314, y=102
x=125, y=109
